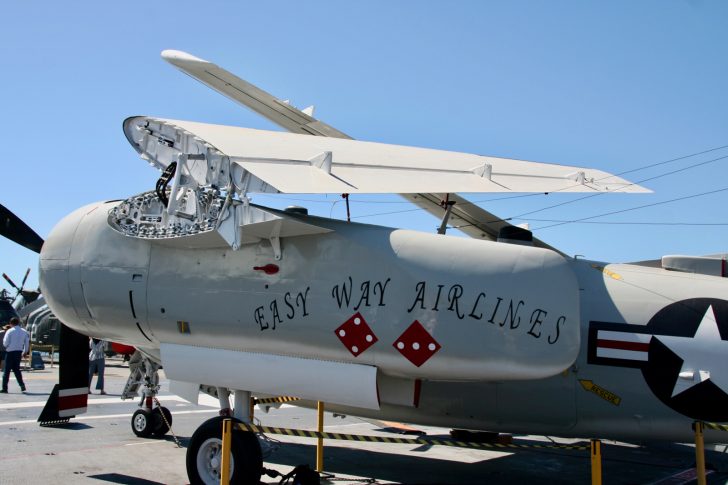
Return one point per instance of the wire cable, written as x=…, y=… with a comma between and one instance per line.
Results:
x=673, y=172
x=634, y=223
x=634, y=208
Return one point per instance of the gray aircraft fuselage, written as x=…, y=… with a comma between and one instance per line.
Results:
x=458, y=332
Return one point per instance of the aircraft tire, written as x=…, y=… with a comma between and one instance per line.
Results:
x=203, y=455
x=142, y=422
x=159, y=425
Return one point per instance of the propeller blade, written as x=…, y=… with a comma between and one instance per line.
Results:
x=13, y=228
x=25, y=278
x=7, y=278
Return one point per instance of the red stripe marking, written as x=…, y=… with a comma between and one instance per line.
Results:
x=622, y=345
x=72, y=402
x=418, y=389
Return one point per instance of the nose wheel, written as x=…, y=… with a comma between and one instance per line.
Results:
x=204, y=455
x=141, y=423
x=155, y=422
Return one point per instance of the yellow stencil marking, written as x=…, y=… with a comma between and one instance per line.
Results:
x=607, y=272
x=600, y=391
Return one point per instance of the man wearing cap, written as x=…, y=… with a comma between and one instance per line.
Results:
x=17, y=344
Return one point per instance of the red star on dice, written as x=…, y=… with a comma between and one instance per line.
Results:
x=356, y=335
x=416, y=344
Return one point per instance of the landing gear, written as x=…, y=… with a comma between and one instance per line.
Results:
x=148, y=420
x=204, y=455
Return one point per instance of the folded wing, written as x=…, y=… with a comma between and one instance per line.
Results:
x=293, y=163
x=475, y=221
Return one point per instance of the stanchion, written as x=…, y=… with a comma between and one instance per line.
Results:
x=320, y=440
x=699, y=452
x=227, y=436
x=30, y=357
x=596, y=462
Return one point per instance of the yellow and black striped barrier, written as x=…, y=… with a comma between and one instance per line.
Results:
x=273, y=400
x=719, y=427
x=404, y=441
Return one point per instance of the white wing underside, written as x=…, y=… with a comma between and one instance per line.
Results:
x=293, y=163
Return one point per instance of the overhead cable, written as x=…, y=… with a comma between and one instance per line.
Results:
x=634, y=208
x=632, y=223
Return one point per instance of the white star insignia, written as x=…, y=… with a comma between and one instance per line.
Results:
x=703, y=355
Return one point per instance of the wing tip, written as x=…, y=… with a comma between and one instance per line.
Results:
x=179, y=58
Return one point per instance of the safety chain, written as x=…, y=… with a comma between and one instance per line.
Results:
x=169, y=425
x=56, y=422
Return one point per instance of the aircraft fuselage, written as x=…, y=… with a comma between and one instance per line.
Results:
x=455, y=332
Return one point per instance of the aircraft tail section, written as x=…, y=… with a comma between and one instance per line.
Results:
x=70, y=395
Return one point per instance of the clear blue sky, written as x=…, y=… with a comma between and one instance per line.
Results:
x=611, y=85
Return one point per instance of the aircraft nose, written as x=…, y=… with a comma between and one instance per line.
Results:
x=57, y=268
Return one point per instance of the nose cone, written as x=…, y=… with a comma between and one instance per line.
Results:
x=59, y=242
x=55, y=270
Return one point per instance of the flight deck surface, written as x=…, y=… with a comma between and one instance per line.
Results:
x=99, y=447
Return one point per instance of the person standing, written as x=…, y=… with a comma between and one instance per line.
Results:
x=96, y=364
x=17, y=345
x=2, y=346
